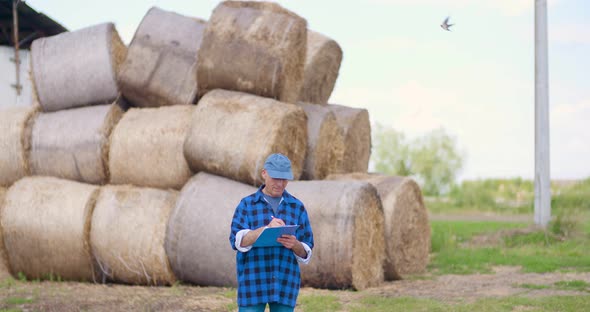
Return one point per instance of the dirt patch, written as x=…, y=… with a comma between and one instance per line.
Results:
x=496, y=238
x=505, y=281
x=482, y=216
x=70, y=296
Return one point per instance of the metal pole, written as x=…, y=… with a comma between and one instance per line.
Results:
x=16, y=45
x=542, y=164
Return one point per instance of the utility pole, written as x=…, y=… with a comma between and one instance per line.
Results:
x=542, y=164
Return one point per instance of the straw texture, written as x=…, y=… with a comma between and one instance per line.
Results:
x=46, y=226
x=127, y=234
x=197, y=237
x=356, y=127
x=147, y=147
x=347, y=222
x=322, y=64
x=73, y=144
x=254, y=47
x=15, y=137
x=407, y=229
x=325, y=143
x=160, y=68
x=4, y=267
x=77, y=68
x=232, y=133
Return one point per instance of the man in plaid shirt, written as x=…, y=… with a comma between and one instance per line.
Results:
x=270, y=274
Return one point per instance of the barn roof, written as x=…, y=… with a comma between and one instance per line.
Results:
x=31, y=24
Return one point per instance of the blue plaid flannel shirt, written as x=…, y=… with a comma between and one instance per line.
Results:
x=269, y=274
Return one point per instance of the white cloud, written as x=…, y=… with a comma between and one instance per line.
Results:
x=570, y=140
x=506, y=7
x=424, y=108
x=576, y=33
x=410, y=107
x=386, y=44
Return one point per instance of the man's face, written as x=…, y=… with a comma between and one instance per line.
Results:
x=273, y=187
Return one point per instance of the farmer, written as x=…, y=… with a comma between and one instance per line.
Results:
x=270, y=275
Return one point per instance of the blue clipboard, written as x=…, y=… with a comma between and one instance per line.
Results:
x=268, y=237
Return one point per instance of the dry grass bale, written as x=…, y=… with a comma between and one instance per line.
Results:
x=4, y=267
x=347, y=222
x=325, y=143
x=322, y=64
x=146, y=147
x=77, y=68
x=254, y=47
x=197, y=237
x=232, y=133
x=74, y=143
x=15, y=143
x=46, y=228
x=160, y=68
x=356, y=126
x=128, y=231
x=407, y=229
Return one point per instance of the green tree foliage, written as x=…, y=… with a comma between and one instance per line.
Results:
x=433, y=159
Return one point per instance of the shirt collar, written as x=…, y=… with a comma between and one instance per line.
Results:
x=287, y=198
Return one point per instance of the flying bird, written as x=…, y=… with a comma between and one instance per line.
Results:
x=445, y=25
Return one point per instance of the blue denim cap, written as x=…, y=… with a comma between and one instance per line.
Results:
x=278, y=166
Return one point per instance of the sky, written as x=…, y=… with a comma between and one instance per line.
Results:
x=476, y=82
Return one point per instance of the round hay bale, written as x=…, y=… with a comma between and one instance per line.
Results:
x=356, y=127
x=73, y=144
x=232, y=133
x=254, y=47
x=325, y=143
x=46, y=228
x=15, y=143
x=197, y=237
x=127, y=234
x=322, y=63
x=407, y=229
x=347, y=222
x=160, y=67
x=4, y=267
x=77, y=68
x=147, y=147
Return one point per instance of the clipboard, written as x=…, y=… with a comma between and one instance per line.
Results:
x=268, y=237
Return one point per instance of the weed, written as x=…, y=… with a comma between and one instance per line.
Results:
x=52, y=277
x=231, y=307
x=566, y=226
x=231, y=294
x=176, y=288
x=532, y=286
x=21, y=276
x=7, y=282
x=573, y=285
x=18, y=300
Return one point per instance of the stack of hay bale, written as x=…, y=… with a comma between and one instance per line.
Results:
x=114, y=174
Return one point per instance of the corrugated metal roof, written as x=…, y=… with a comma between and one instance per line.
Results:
x=32, y=24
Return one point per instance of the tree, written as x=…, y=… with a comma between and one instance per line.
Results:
x=391, y=152
x=433, y=159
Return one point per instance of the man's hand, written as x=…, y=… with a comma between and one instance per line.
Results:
x=291, y=242
x=252, y=236
x=276, y=222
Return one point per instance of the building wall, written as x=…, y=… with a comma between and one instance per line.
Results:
x=8, y=96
